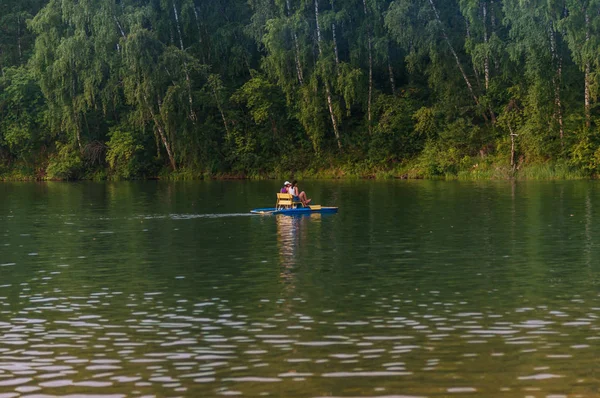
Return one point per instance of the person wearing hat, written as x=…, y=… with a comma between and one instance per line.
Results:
x=286, y=187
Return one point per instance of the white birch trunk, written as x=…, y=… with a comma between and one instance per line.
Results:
x=587, y=76
x=161, y=132
x=557, y=80
x=370, y=51
x=185, y=67
x=178, y=27
x=493, y=25
x=327, y=90
x=587, y=95
x=486, y=61
x=507, y=111
x=512, y=147
x=475, y=71
x=78, y=132
x=199, y=32
x=458, y=64
x=221, y=112
x=200, y=35
x=198, y=24
x=19, y=49
x=558, y=101
x=119, y=26
x=335, y=46
x=391, y=72
x=298, y=63
x=299, y=72
x=75, y=114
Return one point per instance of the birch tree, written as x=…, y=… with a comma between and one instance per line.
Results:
x=537, y=40
x=581, y=24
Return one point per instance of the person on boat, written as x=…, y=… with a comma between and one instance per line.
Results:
x=293, y=189
x=286, y=187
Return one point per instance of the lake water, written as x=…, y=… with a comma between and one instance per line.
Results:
x=415, y=288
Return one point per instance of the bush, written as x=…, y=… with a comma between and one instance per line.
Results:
x=121, y=154
x=394, y=136
x=65, y=164
x=436, y=161
x=585, y=154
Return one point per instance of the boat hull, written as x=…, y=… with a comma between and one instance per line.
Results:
x=296, y=211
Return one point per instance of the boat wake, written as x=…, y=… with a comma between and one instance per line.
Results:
x=218, y=215
x=172, y=216
x=189, y=216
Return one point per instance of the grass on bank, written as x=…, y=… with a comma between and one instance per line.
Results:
x=476, y=172
x=463, y=169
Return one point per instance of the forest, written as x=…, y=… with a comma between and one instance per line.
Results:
x=184, y=89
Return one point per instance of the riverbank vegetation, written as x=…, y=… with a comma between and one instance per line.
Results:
x=465, y=89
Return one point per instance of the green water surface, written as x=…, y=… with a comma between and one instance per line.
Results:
x=415, y=288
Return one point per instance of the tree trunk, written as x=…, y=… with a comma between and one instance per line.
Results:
x=512, y=152
x=557, y=80
x=327, y=90
x=185, y=67
x=198, y=24
x=486, y=60
x=199, y=33
x=458, y=64
x=78, y=132
x=119, y=26
x=169, y=139
x=75, y=114
x=558, y=102
x=475, y=71
x=121, y=31
x=79, y=141
x=512, y=147
x=299, y=72
x=455, y=55
x=161, y=132
x=335, y=46
x=332, y=114
x=167, y=146
x=298, y=63
x=206, y=48
x=370, y=52
x=177, y=26
x=587, y=76
x=20, y=52
x=391, y=72
x=221, y=112
x=587, y=95
x=493, y=25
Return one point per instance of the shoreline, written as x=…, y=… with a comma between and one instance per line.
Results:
x=532, y=172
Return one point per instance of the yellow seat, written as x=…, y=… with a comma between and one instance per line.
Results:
x=286, y=201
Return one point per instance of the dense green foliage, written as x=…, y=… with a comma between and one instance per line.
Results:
x=186, y=88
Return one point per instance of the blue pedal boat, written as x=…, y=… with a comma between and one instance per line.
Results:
x=288, y=206
x=296, y=211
